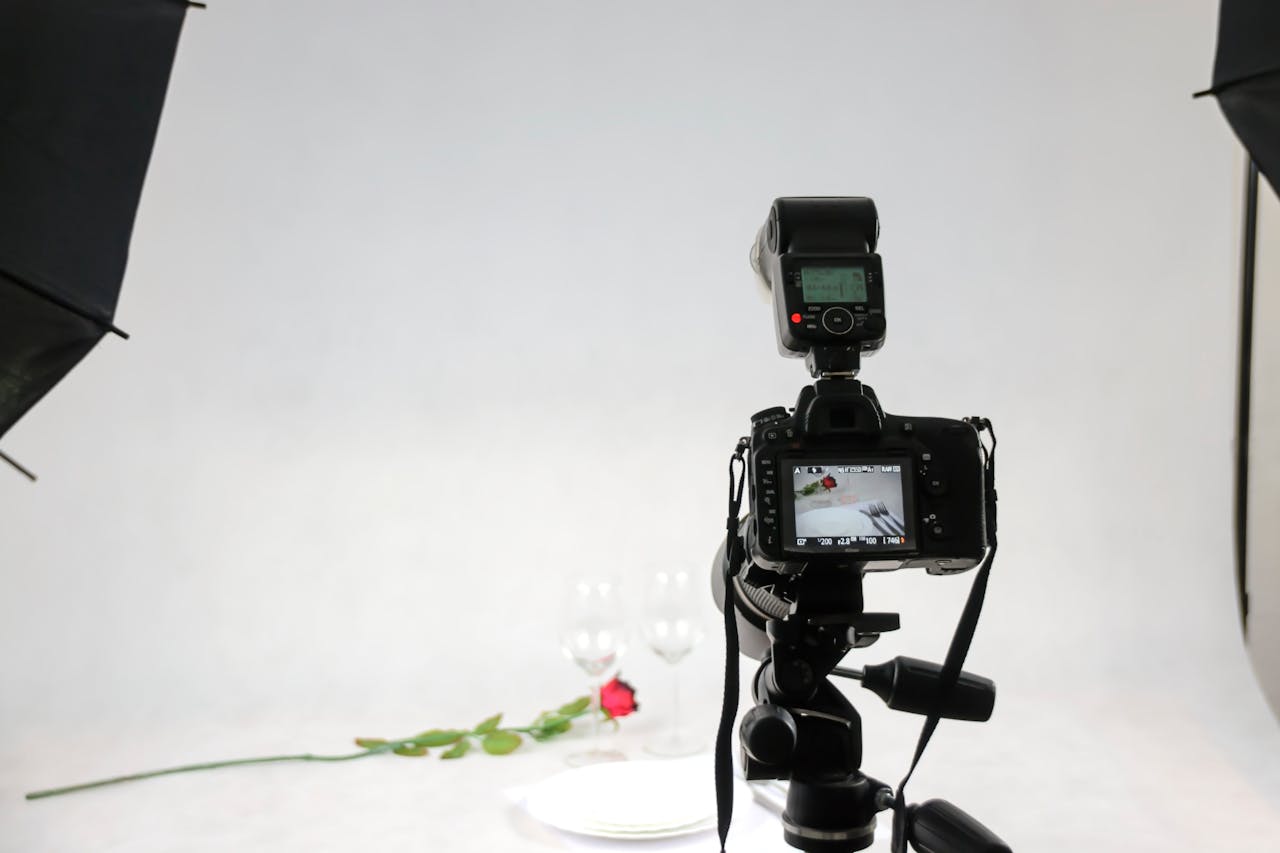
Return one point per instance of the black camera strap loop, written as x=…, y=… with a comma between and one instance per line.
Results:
x=729, y=710
x=960, y=642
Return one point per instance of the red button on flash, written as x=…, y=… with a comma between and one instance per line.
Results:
x=795, y=318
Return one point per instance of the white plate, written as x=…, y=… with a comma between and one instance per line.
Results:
x=630, y=799
x=646, y=835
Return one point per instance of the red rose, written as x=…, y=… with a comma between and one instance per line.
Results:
x=828, y=482
x=618, y=698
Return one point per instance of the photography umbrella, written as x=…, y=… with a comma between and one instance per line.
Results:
x=1246, y=82
x=82, y=83
x=1246, y=79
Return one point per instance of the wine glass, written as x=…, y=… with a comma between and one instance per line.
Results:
x=592, y=636
x=672, y=626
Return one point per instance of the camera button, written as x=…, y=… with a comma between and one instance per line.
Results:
x=935, y=481
x=837, y=321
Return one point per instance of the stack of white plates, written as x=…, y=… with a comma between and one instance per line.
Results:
x=629, y=799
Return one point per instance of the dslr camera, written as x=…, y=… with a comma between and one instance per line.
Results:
x=835, y=481
x=837, y=488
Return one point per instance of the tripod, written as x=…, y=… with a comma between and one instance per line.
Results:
x=804, y=729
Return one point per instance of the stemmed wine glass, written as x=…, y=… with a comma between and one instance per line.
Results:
x=672, y=625
x=592, y=635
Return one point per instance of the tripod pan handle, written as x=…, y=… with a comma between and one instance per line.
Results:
x=937, y=826
x=911, y=685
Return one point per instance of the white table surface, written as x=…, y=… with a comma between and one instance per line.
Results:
x=1139, y=772
x=379, y=803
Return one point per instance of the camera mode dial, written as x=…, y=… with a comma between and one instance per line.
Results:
x=768, y=416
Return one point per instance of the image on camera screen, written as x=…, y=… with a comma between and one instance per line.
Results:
x=844, y=504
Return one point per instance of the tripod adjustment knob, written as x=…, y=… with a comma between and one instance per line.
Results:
x=768, y=734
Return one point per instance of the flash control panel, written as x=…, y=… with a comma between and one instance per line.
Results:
x=830, y=300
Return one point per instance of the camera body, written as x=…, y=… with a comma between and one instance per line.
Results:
x=836, y=481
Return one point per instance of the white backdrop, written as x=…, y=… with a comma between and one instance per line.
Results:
x=435, y=304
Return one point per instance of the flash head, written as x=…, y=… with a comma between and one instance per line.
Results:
x=817, y=257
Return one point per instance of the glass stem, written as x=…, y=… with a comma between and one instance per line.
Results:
x=675, y=704
x=597, y=711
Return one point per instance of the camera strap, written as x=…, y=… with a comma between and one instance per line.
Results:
x=729, y=710
x=960, y=642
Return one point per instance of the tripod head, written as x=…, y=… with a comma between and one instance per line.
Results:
x=805, y=730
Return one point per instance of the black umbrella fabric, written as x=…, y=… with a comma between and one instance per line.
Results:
x=1246, y=79
x=82, y=83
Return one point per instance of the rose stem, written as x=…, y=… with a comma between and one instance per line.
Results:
x=212, y=765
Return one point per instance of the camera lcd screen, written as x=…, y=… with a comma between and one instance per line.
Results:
x=849, y=505
x=833, y=284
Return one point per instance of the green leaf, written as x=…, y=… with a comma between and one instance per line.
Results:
x=577, y=706
x=370, y=742
x=500, y=742
x=438, y=737
x=411, y=751
x=556, y=725
x=809, y=489
x=488, y=725
x=551, y=727
x=458, y=750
